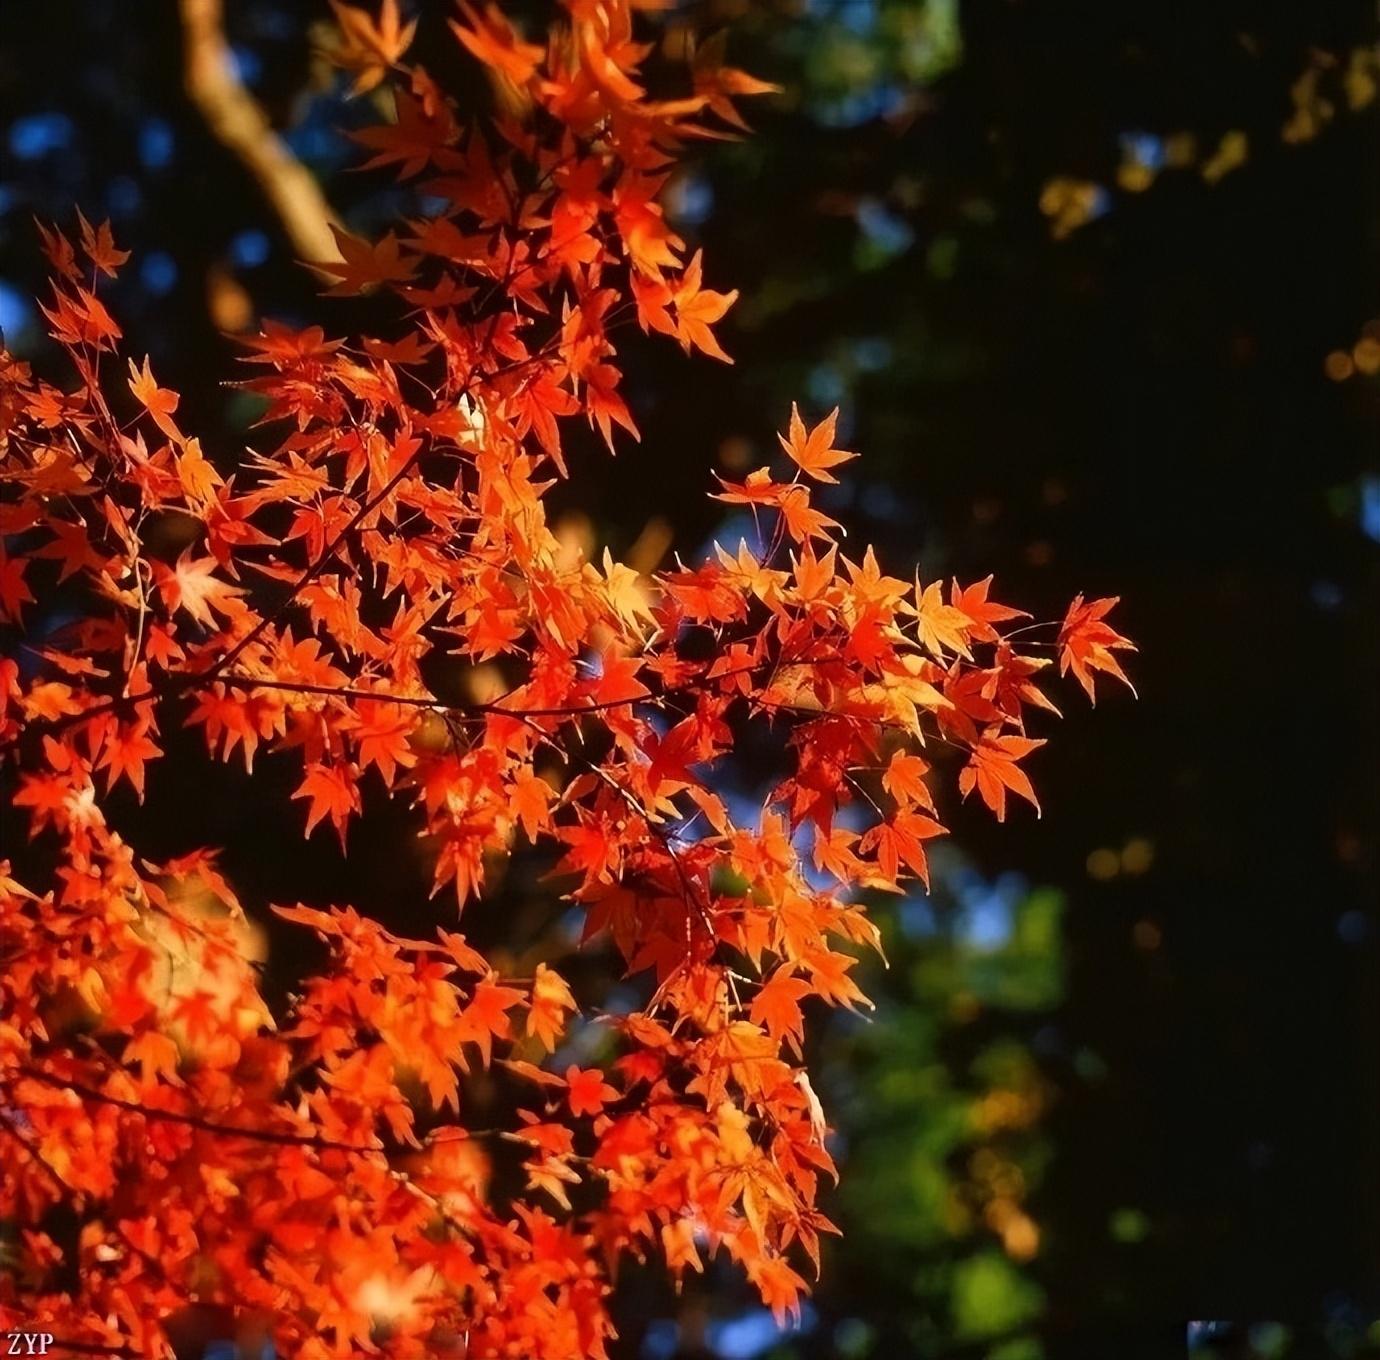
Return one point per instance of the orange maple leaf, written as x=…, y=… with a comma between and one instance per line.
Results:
x=992, y=770
x=364, y=265
x=697, y=309
x=981, y=612
x=776, y=1007
x=1086, y=642
x=587, y=1091
x=333, y=793
x=939, y=625
x=486, y=1017
x=550, y=1005
x=190, y=585
x=813, y=451
x=494, y=41
x=904, y=780
x=900, y=841
x=99, y=245
x=128, y=748
x=371, y=46
x=159, y=402
x=383, y=731
x=531, y=796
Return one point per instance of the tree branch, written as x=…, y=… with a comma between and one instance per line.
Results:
x=279, y=1138
x=237, y=120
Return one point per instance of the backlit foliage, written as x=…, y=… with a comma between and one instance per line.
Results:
x=174, y=1140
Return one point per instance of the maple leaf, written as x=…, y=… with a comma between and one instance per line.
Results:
x=333, y=793
x=383, y=731
x=551, y=1002
x=992, y=770
x=99, y=245
x=541, y=401
x=198, y=476
x=779, y=1286
x=1011, y=682
x=981, y=612
x=776, y=1007
x=190, y=585
x=899, y=841
x=813, y=451
x=202, y=865
x=79, y=317
x=370, y=46
x=716, y=82
x=938, y=625
x=156, y=1054
x=970, y=693
x=486, y=1017
x=71, y=546
x=411, y=349
x=492, y=40
x=813, y=575
x=470, y=960
x=650, y=243
x=14, y=590
x=587, y=1091
x=1086, y=643
x=530, y=796
x=871, y=589
x=757, y=488
x=127, y=749
x=803, y=521
x=653, y=298
x=411, y=143
x=364, y=265
x=606, y=408
x=617, y=681
x=626, y=595
x=678, y=1242
x=834, y=854
x=59, y=251
x=904, y=780
x=552, y=1174
x=284, y=347
x=593, y=852
x=697, y=309
x=157, y=401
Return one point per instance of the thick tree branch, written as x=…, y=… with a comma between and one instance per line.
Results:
x=236, y=119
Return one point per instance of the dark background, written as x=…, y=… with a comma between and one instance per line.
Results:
x=1137, y=405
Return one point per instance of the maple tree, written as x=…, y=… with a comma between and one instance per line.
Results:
x=179, y=1141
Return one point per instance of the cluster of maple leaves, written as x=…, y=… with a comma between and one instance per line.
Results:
x=170, y=1140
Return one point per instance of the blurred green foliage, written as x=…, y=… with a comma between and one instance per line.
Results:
x=939, y=1102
